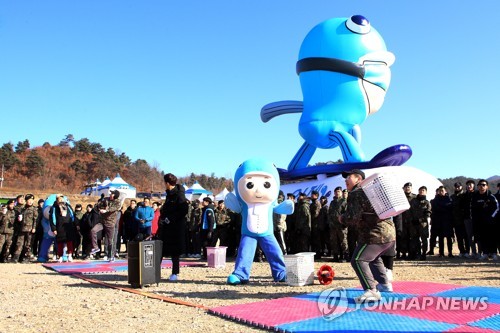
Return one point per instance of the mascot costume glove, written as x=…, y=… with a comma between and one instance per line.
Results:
x=256, y=184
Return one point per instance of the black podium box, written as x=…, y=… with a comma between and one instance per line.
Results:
x=144, y=262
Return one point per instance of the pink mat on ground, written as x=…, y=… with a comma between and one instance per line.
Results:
x=268, y=314
x=422, y=288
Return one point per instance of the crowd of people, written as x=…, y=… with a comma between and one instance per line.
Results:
x=469, y=217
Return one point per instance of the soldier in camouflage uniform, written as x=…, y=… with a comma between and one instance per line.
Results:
x=109, y=208
x=338, y=231
x=403, y=244
x=375, y=236
x=324, y=230
x=420, y=210
x=7, y=220
x=26, y=230
x=223, y=221
x=303, y=224
x=315, y=209
x=18, y=208
x=194, y=245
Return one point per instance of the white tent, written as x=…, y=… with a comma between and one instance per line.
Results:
x=197, y=191
x=106, y=181
x=117, y=184
x=91, y=188
x=221, y=195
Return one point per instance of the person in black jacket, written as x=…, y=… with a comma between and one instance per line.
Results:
x=62, y=219
x=208, y=224
x=90, y=218
x=484, y=209
x=442, y=222
x=172, y=225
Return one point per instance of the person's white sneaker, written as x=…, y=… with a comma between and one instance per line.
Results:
x=60, y=259
x=368, y=296
x=105, y=258
x=389, y=275
x=385, y=287
x=70, y=258
x=173, y=277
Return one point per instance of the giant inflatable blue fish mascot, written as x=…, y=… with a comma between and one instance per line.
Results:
x=257, y=185
x=344, y=72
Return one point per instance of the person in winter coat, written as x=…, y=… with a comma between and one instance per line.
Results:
x=62, y=225
x=173, y=220
x=89, y=220
x=130, y=225
x=110, y=210
x=208, y=224
x=442, y=222
x=375, y=237
x=144, y=215
x=484, y=210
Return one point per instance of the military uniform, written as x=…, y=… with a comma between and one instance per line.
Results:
x=109, y=218
x=26, y=231
x=223, y=221
x=338, y=231
x=324, y=229
x=302, y=226
x=194, y=231
x=420, y=209
x=7, y=221
x=315, y=209
x=375, y=236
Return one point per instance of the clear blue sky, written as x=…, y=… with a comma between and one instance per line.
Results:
x=181, y=83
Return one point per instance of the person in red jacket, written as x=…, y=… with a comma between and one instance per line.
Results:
x=154, y=224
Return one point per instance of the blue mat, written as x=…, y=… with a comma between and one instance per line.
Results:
x=417, y=307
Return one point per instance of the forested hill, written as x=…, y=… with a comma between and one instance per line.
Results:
x=72, y=163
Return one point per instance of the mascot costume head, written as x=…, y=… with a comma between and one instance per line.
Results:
x=257, y=184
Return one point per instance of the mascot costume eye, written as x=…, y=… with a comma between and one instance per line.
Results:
x=256, y=184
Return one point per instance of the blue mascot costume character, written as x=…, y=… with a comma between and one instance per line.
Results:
x=257, y=184
x=48, y=235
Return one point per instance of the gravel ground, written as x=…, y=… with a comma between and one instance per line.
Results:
x=36, y=299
